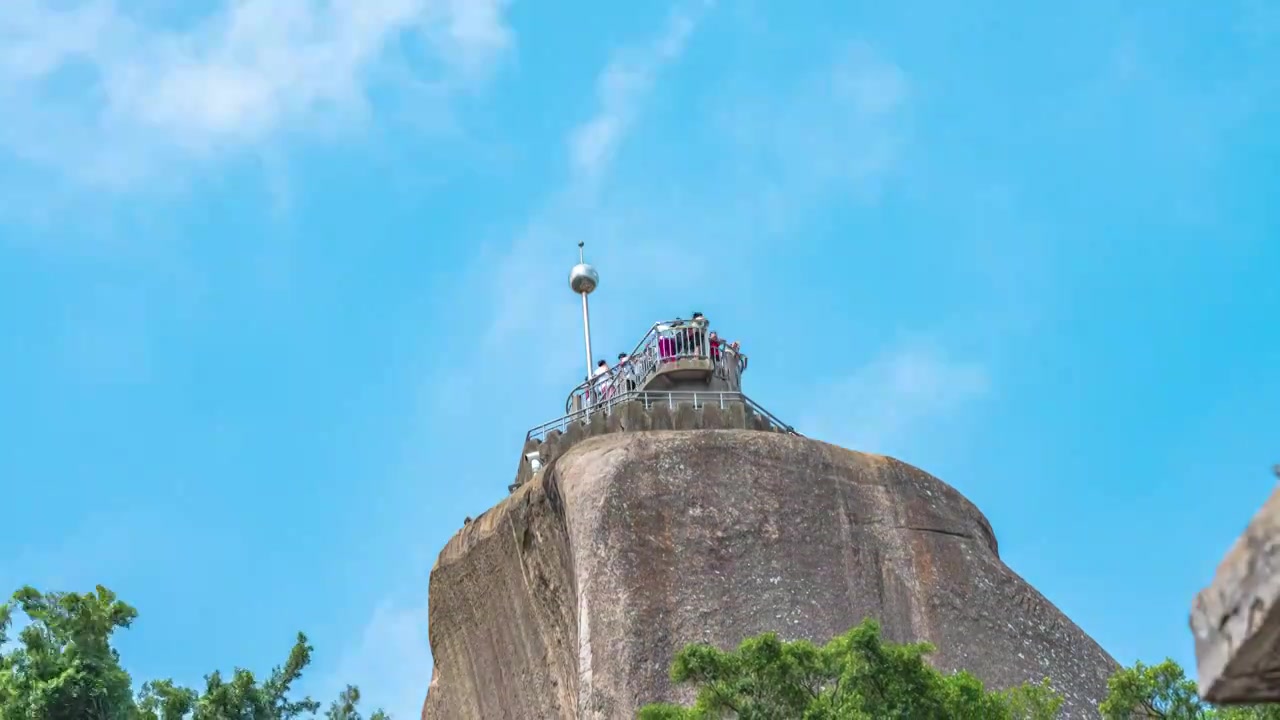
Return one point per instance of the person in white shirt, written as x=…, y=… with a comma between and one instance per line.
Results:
x=601, y=378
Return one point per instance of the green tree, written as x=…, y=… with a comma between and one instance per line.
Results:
x=1033, y=702
x=64, y=668
x=1165, y=692
x=344, y=708
x=856, y=676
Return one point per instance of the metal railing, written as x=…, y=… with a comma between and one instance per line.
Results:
x=665, y=342
x=651, y=398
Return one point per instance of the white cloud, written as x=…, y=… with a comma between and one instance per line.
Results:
x=621, y=89
x=534, y=267
x=840, y=130
x=108, y=96
x=837, y=132
x=878, y=407
x=390, y=663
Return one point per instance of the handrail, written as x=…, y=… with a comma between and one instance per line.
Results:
x=757, y=407
x=663, y=342
x=671, y=398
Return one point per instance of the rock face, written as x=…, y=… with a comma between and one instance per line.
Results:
x=570, y=598
x=1236, y=620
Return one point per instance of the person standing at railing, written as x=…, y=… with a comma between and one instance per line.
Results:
x=739, y=358
x=713, y=341
x=627, y=373
x=697, y=328
x=667, y=341
x=730, y=360
x=601, y=380
x=645, y=362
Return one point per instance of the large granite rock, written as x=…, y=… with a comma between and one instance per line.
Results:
x=570, y=598
x=1236, y=620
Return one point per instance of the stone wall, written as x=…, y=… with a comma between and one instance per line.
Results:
x=633, y=416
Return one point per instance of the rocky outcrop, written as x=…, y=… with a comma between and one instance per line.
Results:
x=1236, y=620
x=570, y=598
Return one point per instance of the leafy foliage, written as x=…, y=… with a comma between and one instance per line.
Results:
x=64, y=668
x=344, y=708
x=1164, y=692
x=856, y=676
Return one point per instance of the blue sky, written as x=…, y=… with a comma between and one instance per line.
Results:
x=283, y=284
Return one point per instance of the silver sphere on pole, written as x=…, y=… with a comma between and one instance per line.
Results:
x=583, y=279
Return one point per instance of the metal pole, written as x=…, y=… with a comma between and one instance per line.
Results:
x=586, y=332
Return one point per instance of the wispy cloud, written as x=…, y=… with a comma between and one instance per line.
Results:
x=840, y=130
x=621, y=89
x=533, y=266
x=879, y=405
x=96, y=90
x=390, y=662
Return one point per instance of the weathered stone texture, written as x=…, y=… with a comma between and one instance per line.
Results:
x=570, y=598
x=502, y=616
x=1236, y=620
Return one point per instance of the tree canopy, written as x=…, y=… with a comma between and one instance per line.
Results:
x=855, y=676
x=63, y=667
x=859, y=676
x=1165, y=692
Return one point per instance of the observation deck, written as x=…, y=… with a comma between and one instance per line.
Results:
x=680, y=376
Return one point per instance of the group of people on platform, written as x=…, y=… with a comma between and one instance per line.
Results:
x=674, y=341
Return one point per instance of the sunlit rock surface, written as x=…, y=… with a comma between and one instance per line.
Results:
x=570, y=598
x=1236, y=620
